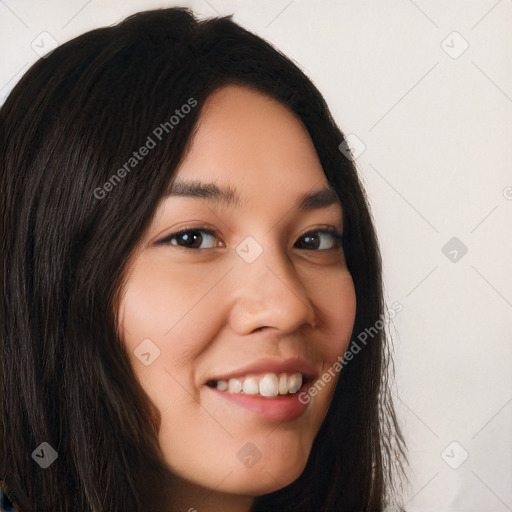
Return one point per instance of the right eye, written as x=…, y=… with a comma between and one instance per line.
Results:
x=191, y=238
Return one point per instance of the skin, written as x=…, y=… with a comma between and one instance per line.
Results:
x=209, y=311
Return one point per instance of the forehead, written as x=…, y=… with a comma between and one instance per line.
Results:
x=250, y=146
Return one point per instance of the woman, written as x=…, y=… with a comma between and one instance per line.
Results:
x=187, y=257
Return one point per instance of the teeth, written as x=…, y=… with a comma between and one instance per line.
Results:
x=269, y=385
x=250, y=386
x=234, y=386
x=294, y=382
x=283, y=384
x=222, y=385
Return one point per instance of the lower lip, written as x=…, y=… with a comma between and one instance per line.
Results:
x=279, y=408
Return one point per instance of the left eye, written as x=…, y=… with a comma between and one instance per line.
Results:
x=320, y=240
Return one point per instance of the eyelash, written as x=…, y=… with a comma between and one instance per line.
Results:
x=338, y=237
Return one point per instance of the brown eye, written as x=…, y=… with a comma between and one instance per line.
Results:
x=191, y=239
x=317, y=240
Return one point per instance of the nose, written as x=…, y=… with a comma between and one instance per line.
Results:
x=270, y=293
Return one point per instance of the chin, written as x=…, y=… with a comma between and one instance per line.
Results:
x=264, y=479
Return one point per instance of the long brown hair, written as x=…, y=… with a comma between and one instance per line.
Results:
x=75, y=118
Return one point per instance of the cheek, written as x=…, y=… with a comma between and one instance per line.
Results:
x=158, y=296
x=337, y=304
x=165, y=312
x=150, y=313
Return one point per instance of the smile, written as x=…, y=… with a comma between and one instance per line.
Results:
x=265, y=385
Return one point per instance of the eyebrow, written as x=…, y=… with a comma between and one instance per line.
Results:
x=212, y=192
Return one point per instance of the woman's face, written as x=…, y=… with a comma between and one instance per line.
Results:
x=231, y=302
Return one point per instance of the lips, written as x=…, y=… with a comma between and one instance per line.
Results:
x=259, y=388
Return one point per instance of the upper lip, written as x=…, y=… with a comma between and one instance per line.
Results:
x=272, y=365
